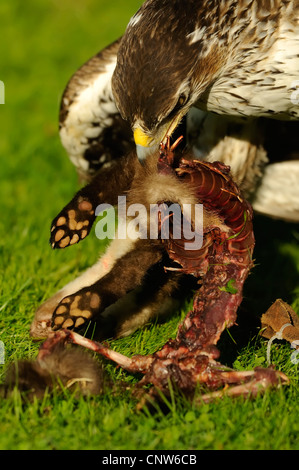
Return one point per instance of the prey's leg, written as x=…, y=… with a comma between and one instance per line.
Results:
x=75, y=310
x=74, y=222
x=41, y=325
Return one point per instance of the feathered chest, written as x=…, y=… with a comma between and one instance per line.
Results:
x=259, y=83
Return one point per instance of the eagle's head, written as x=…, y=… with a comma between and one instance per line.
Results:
x=163, y=67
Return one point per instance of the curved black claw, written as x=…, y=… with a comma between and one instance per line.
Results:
x=74, y=311
x=73, y=223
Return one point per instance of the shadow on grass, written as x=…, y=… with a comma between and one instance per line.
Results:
x=275, y=275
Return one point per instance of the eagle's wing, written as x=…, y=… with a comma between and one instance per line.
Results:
x=91, y=129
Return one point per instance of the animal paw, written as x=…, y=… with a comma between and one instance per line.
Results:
x=73, y=223
x=74, y=311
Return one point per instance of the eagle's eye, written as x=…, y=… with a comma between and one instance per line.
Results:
x=182, y=100
x=179, y=104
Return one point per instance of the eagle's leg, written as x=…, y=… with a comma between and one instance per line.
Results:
x=74, y=311
x=75, y=220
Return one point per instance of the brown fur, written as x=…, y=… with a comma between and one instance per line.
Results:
x=151, y=187
x=69, y=368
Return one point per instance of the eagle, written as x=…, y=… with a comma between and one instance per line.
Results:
x=224, y=73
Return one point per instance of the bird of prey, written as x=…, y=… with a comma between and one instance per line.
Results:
x=228, y=69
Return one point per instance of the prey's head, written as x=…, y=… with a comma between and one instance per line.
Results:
x=161, y=70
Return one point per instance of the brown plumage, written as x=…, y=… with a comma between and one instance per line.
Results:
x=216, y=55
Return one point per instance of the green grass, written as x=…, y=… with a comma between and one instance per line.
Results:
x=42, y=44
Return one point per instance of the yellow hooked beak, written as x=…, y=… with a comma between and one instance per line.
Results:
x=145, y=145
x=141, y=138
